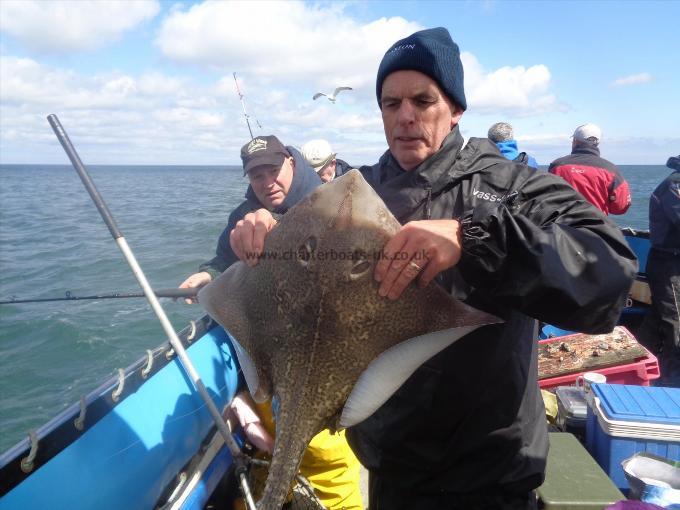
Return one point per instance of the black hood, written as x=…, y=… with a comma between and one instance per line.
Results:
x=674, y=163
x=586, y=148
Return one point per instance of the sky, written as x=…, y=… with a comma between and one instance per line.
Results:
x=152, y=82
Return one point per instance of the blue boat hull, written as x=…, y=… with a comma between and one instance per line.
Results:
x=130, y=456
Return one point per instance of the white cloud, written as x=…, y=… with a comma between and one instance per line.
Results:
x=516, y=90
x=281, y=42
x=153, y=117
x=274, y=46
x=28, y=83
x=116, y=118
x=633, y=79
x=283, y=53
x=72, y=25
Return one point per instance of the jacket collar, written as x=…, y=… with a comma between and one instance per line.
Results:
x=405, y=191
x=429, y=172
x=590, y=149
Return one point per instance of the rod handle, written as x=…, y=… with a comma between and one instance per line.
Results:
x=177, y=293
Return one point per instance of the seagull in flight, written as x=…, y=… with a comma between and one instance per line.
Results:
x=332, y=96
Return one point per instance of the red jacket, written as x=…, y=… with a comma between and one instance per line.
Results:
x=597, y=179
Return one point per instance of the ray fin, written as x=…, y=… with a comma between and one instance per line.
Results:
x=223, y=301
x=248, y=369
x=385, y=374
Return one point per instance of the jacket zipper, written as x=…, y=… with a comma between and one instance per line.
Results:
x=428, y=204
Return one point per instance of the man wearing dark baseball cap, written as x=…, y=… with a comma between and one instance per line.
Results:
x=263, y=150
x=467, y=429
x=278, y=178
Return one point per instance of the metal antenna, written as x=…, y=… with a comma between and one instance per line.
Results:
x=243, y=104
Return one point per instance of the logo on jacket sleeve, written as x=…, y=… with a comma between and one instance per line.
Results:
x=675, y=189
x=485, y=195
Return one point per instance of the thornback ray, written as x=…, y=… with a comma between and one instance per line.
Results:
x=312, y=331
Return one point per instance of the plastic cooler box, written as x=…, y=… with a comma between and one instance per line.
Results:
x=624, y=419
x=572, y=411
x=640, y=372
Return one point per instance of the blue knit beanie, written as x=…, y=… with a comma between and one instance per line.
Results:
x=432, y=52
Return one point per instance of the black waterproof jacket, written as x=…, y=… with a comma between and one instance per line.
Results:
x=305, y=180
x=664, y=214
x=341, y=167
x=472, y=416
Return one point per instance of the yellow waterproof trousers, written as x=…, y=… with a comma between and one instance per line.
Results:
x=329, y=464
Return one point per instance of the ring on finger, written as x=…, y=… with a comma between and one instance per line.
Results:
x=415, y=267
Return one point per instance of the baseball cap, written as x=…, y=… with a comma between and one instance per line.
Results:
x=318, y=153
x=582, y=133
x=263, y=150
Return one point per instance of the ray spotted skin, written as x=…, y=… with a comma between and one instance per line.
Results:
x=311, y=322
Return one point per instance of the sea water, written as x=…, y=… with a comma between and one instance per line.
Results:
x=53, y=241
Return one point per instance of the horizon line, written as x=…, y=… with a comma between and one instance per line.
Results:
x=236, y=165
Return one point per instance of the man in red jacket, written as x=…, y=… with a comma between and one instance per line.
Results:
x=597, y=179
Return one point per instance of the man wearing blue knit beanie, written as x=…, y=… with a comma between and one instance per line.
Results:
x=467, y=429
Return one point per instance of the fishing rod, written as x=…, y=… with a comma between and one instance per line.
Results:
x=161, y=293
x=243, y=104
x=185, y=362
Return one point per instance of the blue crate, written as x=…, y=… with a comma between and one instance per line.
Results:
x=624, y=419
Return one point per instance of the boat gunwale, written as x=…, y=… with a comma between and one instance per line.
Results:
x=60, y=431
